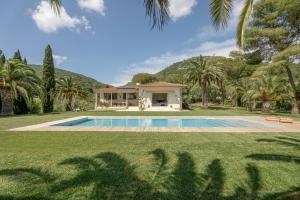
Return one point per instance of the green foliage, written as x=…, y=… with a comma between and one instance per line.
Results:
x=287, y=54
x=21, y=83
x=243, y=22
x=274, y=26
x=144, y=78
x=17, y=55
x=2, y=59
x=48, y=81
x=220, y=11
x=67, y=90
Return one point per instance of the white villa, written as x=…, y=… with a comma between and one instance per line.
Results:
x=157, y=96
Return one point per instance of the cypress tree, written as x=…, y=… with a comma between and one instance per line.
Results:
x=48, y=81
x=17, y=55
x=25, y=61
x=2, y=59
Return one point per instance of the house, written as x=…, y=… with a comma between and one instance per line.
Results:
x=157, y=96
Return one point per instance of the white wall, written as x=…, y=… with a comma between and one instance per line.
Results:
x=174, y=98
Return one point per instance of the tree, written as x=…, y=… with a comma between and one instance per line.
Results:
x=203, y=74
x=2, y=59
x=17, y=80
x=284, y=58
x=68, y=90
x=268, y=84
x=220, y=10
x=274, y=28
x=48, y=81
x=17, y=55
x=144, y=78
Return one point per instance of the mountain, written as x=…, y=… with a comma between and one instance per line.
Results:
x=60, y=73
x=175, y=73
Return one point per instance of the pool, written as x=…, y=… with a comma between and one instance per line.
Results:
x=163, y=122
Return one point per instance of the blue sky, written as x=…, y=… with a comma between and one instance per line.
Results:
x=110, y=40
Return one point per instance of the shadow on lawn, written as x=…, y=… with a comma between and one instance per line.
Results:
x=109, y=176
x=286, y=141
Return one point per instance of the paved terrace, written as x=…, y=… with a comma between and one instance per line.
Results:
x=272, y=126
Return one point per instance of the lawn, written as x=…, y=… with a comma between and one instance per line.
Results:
x=95, y=165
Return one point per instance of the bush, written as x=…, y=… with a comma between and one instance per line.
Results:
x=35, y=106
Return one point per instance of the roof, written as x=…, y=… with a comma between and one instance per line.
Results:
x=118, y=89
x=161, y=84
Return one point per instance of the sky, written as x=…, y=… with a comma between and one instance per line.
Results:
x=111, y=40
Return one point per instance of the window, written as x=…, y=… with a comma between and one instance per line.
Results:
x=124, y=96
x=114, y=96
x=107, y=96
x=131, y=96
x=159, y=99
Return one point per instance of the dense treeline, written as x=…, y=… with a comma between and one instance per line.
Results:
x=22, y=91
x=264, y=74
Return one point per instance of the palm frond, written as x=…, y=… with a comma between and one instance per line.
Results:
x=56, y=5
x=243, y=21
x=220, y=11
x=157, y=10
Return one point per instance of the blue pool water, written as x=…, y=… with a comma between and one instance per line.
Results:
x=147, y=122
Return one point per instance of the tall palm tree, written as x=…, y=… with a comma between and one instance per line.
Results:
x=68, y=90
x=16, y=79
x=220, y=10
x=203, y=74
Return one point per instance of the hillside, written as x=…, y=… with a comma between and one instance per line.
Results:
x=60, y=73
x=176, y=72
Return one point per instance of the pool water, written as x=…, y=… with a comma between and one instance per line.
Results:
x=166, y=122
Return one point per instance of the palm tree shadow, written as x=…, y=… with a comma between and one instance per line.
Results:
x=293, y=193
x=33, y=179
x=111, y=176
x=286, y=141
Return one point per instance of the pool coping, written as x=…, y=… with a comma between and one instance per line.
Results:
x=49, y=126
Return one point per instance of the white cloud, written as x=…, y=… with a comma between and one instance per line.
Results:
x=59, y=59
x=157, y=63
x=48, y=21
x=181, y=8
x=93, y=5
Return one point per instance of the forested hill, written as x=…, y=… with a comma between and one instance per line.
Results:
x=60, y=73
x=176, y=71
x=234, y=68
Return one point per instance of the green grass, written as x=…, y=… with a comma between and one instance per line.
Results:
x=101, y=165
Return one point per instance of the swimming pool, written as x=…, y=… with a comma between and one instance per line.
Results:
x=163, y=122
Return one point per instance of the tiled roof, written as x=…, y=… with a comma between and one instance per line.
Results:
x=161, y=84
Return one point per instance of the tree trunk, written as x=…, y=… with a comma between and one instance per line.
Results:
x=7, y=101
x=222, y=95
x=254, y=104
x=296, y=106
x=296, y=92
x=69, y=106
x=266, y=107
x=204, y=104
x=295, y=109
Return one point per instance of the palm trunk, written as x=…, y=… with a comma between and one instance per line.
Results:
x=254, y=105
x=296, y=107
x=266, y=107
x=204, y=95
x=222, y=95
x=69, y=106
x=7, y=101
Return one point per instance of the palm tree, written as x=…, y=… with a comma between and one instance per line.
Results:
x=203, y=74
x=68, y=90
x=220, y=10
x=16, y=79
x=269, y=88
